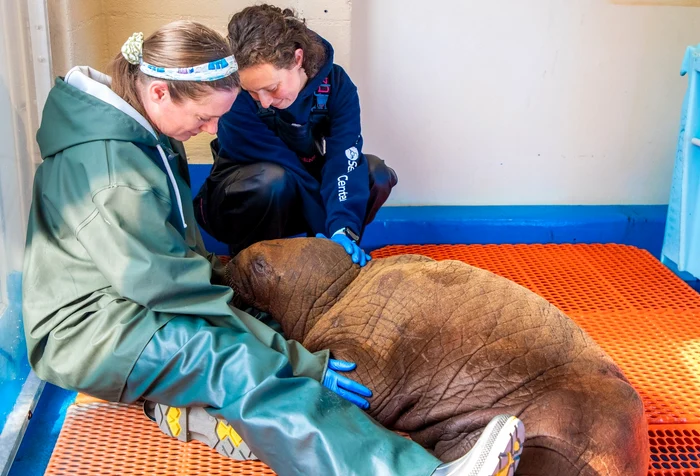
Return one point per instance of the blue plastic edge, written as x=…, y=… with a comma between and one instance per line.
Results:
x=637, y=225
x=44, y=427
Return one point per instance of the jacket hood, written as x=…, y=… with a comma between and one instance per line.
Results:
x=82, y=108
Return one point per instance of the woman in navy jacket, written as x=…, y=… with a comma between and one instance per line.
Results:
x=289, y=158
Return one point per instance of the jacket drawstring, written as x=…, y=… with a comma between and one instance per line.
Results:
x=172, y=181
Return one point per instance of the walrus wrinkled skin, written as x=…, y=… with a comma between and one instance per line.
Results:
x=446, y=346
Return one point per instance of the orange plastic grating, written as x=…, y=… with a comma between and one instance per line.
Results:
x=645, y=317
x=675, y=449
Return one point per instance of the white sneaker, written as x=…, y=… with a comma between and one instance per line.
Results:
x=496, y=453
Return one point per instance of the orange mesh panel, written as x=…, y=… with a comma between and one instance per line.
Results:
x=675, y=449
x=645, y=317
x=575, y=277
x=83, y=399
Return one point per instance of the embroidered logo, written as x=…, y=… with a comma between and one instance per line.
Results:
x=352, y=153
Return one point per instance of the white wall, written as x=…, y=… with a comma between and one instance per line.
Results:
x=78, y=34
x=522, y=102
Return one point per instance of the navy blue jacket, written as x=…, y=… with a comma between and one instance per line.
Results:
x=334, y=188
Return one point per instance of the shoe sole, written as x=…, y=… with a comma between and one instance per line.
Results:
x=499, y=448
x=194, y=423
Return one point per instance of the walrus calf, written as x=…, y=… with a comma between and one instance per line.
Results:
x=446, y=346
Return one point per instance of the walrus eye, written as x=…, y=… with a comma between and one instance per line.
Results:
x=259, y=266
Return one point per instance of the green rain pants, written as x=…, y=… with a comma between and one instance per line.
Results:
x=293, y=424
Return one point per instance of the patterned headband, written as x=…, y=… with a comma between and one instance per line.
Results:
x=212, y=71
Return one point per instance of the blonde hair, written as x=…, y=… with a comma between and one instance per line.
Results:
x=179, y=44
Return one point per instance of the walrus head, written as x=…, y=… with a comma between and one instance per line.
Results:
x=293, y=279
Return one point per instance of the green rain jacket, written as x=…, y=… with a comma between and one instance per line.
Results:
x=113, y=251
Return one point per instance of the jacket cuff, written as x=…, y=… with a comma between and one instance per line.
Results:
x=338, y=224
x=306, y=364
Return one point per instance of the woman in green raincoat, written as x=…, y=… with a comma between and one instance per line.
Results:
x=122, y=302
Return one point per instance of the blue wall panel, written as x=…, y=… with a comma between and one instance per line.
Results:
x=637, y=225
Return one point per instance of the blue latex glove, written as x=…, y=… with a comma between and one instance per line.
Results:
x=358, y=254
x=343, y=386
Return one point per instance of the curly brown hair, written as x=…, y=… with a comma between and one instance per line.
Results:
x=267, y=34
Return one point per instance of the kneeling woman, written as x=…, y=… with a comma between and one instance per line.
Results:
x=289, y=157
